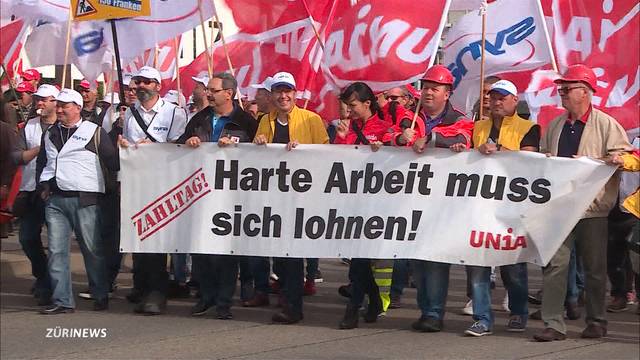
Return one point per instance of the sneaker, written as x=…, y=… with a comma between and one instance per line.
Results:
x=618, y=304
x=427, y=325
x=309, y=287
x=87, y=294
x=478, y=329
x=56, y=309
x=517, y=324
x=318, y=277
x=396, y=302
x=224, y=314
x=505, y=303
x=200, y=309
x=468, y=308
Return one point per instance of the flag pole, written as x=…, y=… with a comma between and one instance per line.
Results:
x=204, y=39
x=483, y=11
x=14, y=93
x=116, y=49
x=176, y=47
x=226, y=51
x=156, y=50
x=552, y=54
x=66, y=49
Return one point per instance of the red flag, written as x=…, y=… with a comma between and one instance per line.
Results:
x=10, y=46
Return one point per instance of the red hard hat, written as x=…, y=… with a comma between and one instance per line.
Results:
x=439, y=74
x=579, y=73
x=25, y=86
x=31, y=74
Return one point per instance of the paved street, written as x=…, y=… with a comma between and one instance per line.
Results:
x=251, y=336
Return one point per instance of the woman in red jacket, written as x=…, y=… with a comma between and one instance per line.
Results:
x=366, y=126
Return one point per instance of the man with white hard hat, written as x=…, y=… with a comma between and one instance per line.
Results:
x=151, y=119
x=29, y=207
x=69, y=169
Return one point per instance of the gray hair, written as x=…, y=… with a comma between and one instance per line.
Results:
x=228, y=82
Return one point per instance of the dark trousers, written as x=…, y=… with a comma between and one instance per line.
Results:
x=217, y=277
x=363, y=281
x=312, y=268
x=618, y=264
x=150, y=273
x=260, y=267
x=31, y=242
x=110, y=209
x=290, y=272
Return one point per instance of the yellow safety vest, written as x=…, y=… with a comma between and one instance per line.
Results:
x=512, y=131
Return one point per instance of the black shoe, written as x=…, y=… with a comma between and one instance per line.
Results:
x=88, y=296
x=374, y=309
x=224, y=314
x=135, y=296
x=427, y=325
x=154, y=304
x=345, y=290
x=350, y=320
x=100, y=304
x=200, y=308
x=534, y=300
x=56, y=309
x=286, y=317
x=396, y=302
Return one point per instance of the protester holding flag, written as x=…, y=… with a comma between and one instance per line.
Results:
x=29, y=207
x=581, y=131
x=288, y=124
x=150, y=119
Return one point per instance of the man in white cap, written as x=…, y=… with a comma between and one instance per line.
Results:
x=69, y=170
x=151, y=119
x=30, y=208
x=199, y=95
x=502, y=130
x=290, y=125
x=263, y=97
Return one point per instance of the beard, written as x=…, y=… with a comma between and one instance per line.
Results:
x=145, y=94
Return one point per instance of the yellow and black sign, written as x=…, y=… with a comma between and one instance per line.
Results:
x=109, y=9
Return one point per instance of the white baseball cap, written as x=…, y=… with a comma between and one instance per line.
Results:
x=46, y=90
x=126, y=79
x=283, y=78
x=107, y=98
x=70, y=96
x=149, y=73
x=173, y=96
x=202, y=80
x=504, y=87
x=266, y=84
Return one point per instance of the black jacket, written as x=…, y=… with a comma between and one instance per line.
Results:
x=241, y=125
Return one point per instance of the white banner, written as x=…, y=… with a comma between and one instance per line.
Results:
x=335, y=201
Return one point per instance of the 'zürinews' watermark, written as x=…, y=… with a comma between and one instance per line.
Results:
x=81, y=333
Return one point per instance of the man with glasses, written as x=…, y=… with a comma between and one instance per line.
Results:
x=150, y=119
x=69, y=170
x=399, y=95
x=581, y=131
x=30, y=208
x=290, y=125
x=224, y=122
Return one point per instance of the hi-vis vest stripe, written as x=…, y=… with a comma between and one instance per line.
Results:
x=33, y=135
x=74, y=167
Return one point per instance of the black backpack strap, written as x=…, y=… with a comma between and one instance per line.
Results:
x=143, y=126
x=361, y=138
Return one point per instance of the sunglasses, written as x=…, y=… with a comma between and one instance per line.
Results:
x=565, y=91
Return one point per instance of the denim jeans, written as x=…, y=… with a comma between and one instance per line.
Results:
x=260, y=267
x=179, y=267
x=400, y=277
x=291, y=274
x=432, y=281
x=218, y=280
x=480, y=278
x=516, y=280
x=64, y=215
x=31, y=242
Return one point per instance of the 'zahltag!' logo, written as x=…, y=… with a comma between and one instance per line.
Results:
x=169, y=206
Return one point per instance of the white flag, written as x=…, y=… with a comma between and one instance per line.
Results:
x=515, y=41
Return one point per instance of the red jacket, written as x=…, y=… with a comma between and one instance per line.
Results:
x=454, y=128
x=373, y=129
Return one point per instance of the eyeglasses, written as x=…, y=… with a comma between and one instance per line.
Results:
x=565, y=91
x=145, y=81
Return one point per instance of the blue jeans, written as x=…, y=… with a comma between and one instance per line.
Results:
x=31, y=242
x=480, y=279
x=64, y=215
x=400, y=276
x=432, y=281
x=516, y=280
